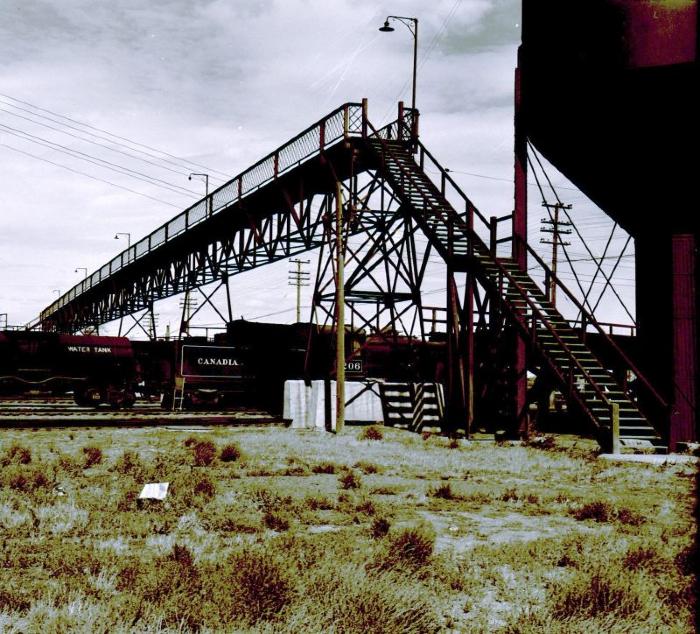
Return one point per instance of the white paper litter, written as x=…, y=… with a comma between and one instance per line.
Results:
x=154, y=491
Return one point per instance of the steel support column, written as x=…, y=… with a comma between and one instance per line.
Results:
x=519, y=251
x=683, y=423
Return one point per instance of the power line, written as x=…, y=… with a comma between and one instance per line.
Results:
x=183, y=162
x=89, y=158
x=87, y=140
x=95, y=178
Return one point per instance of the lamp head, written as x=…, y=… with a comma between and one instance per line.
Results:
x=386, y=28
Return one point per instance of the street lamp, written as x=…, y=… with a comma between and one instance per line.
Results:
x=206, y=181
x=412, y=25
x=207, y=202
x=128, y=238
x=81, y=268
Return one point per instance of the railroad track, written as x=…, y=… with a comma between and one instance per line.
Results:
x=61, y=412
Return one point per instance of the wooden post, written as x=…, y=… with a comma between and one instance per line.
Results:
x=340, y=313
x=615, y=426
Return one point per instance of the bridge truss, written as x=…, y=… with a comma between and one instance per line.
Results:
x=401, y=225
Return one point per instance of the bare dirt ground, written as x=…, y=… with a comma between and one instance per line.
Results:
x=373, y=530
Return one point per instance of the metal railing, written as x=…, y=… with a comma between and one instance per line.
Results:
x=348, y=119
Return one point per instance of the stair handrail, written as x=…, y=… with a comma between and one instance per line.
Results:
x=661, y=402
x=589, y=318
x=476, y=240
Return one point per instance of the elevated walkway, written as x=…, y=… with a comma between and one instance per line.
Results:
x=266, y=214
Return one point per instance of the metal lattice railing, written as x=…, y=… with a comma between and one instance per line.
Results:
x=346, y=120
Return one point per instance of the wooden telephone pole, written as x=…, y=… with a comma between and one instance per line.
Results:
x=553, y=226
x=299, y=278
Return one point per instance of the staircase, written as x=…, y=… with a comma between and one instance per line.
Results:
x=580, y=375
x=414, y=405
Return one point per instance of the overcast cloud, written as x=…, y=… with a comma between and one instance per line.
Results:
x=221, y=83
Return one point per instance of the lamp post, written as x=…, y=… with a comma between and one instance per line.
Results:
x=206, y=181
x=82, y=268
x=128, y=238
x=412, y=25
x=206, y=189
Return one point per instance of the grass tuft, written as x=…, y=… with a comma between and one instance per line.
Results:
x=350, y=480
x=16, y=454
x=373, y=432
x=324, y=467
x=260, y=585
x=408, y=548
x=230, y=453
x=380, y=527
x=443, y=491
x=204, y=452
x=92, y=456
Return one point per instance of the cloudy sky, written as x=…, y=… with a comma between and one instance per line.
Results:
x=218, y=84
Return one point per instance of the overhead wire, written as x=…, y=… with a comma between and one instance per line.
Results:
x=83, y=156
x=182, y=162
x=93, y=142
x=578, y=233
x=95, y=178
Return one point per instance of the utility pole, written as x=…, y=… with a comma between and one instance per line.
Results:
x=340, y=312
x=298, y=278
x=553, y=225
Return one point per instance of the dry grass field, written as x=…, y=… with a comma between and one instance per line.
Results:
x=374, y=530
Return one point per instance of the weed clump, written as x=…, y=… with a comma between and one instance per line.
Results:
x=366, y=467
x=597, y=511
x=323, y=467
x=317, y=502
x=260, y=586
x=443, y=492
x=600, y=511
x=371, y=433
x=91, y=456
x=129, y=463
x=230, y=453
x=642, y=558
x=379, y=528
x=203, y=486
x=596, y=594
x=204, y=452
x=276, y=521
x=509, y=495
x=356, y=602
x=408, y=548
x=350, y=480
x=16, y=454
x=24, y=478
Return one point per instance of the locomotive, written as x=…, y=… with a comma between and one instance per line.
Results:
x=97, y=370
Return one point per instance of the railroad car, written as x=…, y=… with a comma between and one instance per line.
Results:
x=96, y=370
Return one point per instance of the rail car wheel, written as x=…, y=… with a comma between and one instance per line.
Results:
x=89, y=397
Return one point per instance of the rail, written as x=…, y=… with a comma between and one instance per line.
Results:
x=348, y=119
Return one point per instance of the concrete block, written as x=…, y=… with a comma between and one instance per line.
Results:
x=306, y=406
